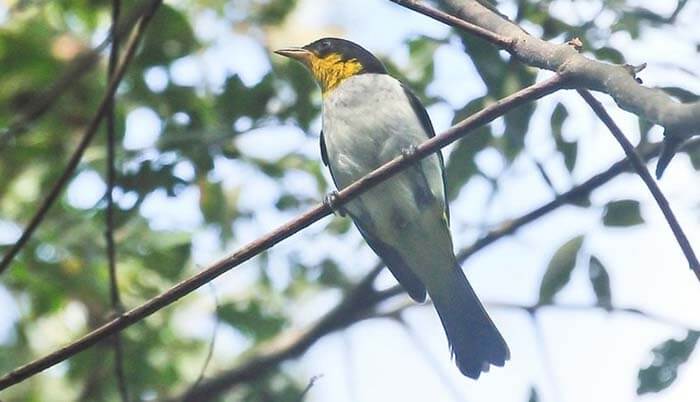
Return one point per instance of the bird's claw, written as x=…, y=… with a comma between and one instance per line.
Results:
x=409, y=151
x=331, y=201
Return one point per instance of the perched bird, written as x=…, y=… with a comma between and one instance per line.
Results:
x=368, y=119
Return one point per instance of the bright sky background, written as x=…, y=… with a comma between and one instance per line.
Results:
x=583, y=355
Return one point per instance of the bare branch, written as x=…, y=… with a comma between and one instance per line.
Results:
x=503, y=42
x=212, y=343
x=261, y=244
x=434, y=364
x=109, y=213
x=643, y=172
x=586, y=307
x=311, y=383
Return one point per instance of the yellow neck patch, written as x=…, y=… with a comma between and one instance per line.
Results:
x=331, y=70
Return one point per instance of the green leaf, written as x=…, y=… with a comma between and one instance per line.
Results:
x=559, y=116
x=169, y=37
x=668, y=357
x=609, y=54
x=168, y=253
x=239, y=100
x=559, y=270
x=568, y=149
x=622, y=213
x=460, y=165
x=582, y=200
x=332, y=275
x=273, y=12
x=600, y=280
x=253, y=318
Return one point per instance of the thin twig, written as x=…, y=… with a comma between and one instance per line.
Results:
x=547, y=362
x=212, y=343
x=362, y=298
x=447, y=19
x=545, y=176
x=590, y=307
x=263, y=243
x=82, y=146
x=83, y=63
x=641, y=169
x=439, y=370
x=306, y=390
x=109, y=213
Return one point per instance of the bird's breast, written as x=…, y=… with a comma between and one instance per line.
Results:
x=367, y=120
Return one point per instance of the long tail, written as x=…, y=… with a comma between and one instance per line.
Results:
x=474, y=339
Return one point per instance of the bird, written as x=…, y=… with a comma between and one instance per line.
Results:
x=369, y=118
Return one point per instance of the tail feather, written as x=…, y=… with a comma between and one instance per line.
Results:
x=474, y=339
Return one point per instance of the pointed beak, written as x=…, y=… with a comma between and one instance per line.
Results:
x=296, y=53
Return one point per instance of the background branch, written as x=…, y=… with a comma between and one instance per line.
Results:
x=651, y=104
x=115, y=298
x=643, y=172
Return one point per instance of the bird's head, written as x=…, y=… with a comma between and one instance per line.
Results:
x=332, y=60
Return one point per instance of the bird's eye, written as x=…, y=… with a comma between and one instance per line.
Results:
x=325, y=45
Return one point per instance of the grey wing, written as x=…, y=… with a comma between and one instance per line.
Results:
x=428, y=127
x=414, y=287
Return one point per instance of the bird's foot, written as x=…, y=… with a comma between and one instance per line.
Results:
x=409, y=151
x=331, y=201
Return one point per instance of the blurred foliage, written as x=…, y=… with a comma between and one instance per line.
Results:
x=668, y=357
x=622, y=213
x=559, y=269
x=600, y=280
x=59, y=281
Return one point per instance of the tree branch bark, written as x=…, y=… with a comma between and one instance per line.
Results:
x=643, y=172
x=679, y=120
x=115, y=298
x=615, y=80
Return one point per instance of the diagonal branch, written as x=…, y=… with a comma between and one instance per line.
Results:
x=362, y=298
x=82, y=146
x=643, y=172
x=115, y=298
x=283, y=232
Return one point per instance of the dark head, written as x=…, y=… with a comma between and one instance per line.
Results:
x=332, y=60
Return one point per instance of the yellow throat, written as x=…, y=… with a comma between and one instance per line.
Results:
x=331, y=70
